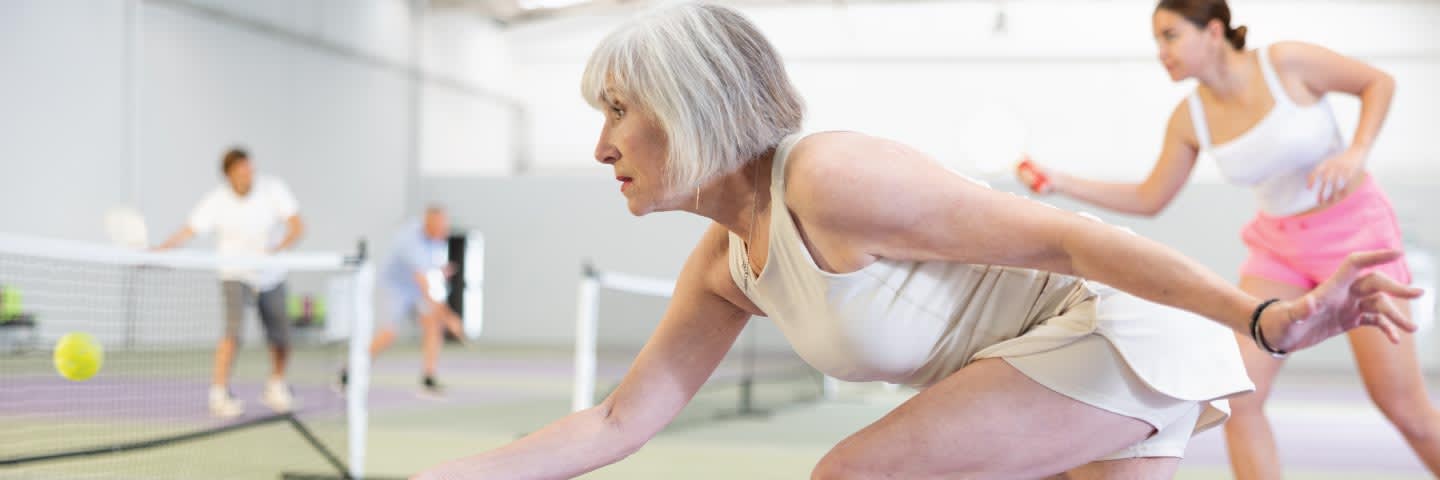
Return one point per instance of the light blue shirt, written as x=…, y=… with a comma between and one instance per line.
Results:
x=413, y=252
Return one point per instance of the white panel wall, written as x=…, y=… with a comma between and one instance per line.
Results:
x=63, y=144
x=378, y=27
x=320, y=91
x=1082, y=75
x=467, y=133
x=335, y=128
x=465, y=47
x=352, y=136
x=294, y=16
x=465, y=136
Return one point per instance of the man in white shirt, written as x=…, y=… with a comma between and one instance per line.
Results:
x=246, y=214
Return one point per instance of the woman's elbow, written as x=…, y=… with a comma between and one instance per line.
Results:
x=1151, y=210
x=1151, y=202
x=629, y=434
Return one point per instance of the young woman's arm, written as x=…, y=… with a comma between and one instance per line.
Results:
x=1150, y=197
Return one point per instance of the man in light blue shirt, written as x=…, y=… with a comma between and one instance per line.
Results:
x=411, y=285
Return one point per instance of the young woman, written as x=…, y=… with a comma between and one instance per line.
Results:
x=1262, y=114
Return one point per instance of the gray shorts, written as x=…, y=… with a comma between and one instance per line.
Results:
x=270, y=303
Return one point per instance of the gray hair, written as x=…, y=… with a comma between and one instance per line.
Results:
x=712, y=81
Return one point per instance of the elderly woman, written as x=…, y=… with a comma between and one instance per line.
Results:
x=877, y=263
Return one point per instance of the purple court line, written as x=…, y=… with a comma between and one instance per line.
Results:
x=184, y=402
x=560, y=369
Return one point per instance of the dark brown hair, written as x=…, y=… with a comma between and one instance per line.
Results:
x=1201, y=12
x=232, y=157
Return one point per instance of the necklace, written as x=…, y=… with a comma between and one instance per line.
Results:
x=750, y=236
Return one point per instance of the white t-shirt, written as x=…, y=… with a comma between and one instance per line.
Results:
x=247, y=225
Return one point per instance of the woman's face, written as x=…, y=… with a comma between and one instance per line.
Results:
x=632, y=142
x=1182, y=47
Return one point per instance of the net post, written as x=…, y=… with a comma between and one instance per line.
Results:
x=358, y=385
x=585, y=331
x=747, y=375
x=362, y=253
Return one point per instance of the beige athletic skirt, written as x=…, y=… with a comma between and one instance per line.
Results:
x=1166, y=367
x=1091, y=371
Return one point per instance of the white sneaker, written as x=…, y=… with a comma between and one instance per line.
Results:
x=224, y=405
x=277, y=396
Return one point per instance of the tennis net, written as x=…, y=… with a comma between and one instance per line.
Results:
x=158, y=318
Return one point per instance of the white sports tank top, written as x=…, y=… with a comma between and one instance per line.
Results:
x=917, y=322
x=1275, y=156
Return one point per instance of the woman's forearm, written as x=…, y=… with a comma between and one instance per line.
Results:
x=1155, y=272
x=1121, y=197
x=571, y=446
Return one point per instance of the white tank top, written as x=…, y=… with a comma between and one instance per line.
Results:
x=917, y=322
x=1275, y=156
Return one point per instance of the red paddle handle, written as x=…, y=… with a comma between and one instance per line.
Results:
x=1036, y=181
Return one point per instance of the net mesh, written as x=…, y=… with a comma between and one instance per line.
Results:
x=146, y=413
x=758, y=376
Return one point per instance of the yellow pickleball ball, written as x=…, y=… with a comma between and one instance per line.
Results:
x=78, y=356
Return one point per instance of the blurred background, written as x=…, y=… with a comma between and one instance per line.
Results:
x=373, y=109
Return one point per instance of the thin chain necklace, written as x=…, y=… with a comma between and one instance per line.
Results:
x=750, y=236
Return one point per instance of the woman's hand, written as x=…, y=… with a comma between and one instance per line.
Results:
x=1034, y=177
x=1335, y=173
x=1346, y=300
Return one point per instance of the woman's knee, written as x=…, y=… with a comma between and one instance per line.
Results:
x=848, y=460
x=1247, y=406
x=833, y=468
x=845, y=461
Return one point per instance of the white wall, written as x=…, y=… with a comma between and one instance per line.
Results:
x=359, y=142
x=133, y=102
x=108, y=103
x=467, y=132
x=333, y=128
x=63, y=117
x=539, y=230
x=1081, y=75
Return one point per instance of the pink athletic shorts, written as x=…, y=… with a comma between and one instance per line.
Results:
x=1303, y=250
